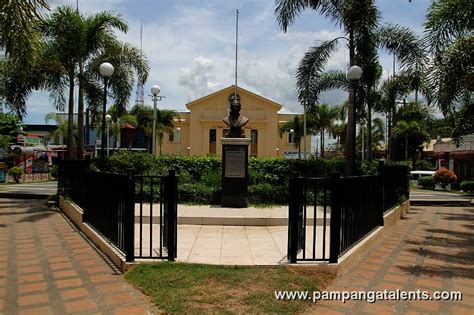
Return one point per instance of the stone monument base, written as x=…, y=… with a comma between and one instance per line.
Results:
x=235, y=174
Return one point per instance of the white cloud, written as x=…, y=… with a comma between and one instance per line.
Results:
x=199, y=80
x=190, y=45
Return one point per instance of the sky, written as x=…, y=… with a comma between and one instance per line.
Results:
x=190, y=45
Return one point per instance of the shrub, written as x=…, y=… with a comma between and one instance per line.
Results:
x=197, y=193
x=467, y=185
x=16, y=172
x=54, y=172
x=268, y=194
x=423, y=165
x=444, y=177
x=369, y=168
x=426, y=182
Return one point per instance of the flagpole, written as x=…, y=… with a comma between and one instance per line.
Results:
x=236, y=46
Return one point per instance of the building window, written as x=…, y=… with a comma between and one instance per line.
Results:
x=254, y=136
x=212, y=135
x=291, y=138
x=171, y=136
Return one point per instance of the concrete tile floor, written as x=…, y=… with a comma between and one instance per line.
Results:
x=231, y=245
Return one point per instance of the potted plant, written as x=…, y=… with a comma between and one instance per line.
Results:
x=16, y=173
x=444, y=177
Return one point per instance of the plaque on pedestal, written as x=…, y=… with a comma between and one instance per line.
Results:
x=235, y=172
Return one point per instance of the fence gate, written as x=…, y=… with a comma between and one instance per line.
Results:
x=309, y=219
x=156, y=217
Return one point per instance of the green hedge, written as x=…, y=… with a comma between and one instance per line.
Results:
x=199, y=178
x=426, y=182
x=467, y=185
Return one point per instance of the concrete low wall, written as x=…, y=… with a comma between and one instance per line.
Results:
x=74, y=213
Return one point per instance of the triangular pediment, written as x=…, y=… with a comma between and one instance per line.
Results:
x=247, y=106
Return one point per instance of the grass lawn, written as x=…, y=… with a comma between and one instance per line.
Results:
x=195, y=288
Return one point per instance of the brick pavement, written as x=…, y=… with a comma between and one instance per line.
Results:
x=48, y=267
x=432, y=249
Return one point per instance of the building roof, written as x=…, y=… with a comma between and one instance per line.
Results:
x=228, y=90
x=39, y=127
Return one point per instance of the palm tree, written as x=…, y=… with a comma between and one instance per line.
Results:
x=324, y=117
x=450, y=40
x=296, y=124
x=79, y=44
x=359, y=20
x=61, y=132
x=144, y=117
x=164, y=123
x=20, y=37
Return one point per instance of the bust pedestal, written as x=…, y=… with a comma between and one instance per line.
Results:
x=235, y=173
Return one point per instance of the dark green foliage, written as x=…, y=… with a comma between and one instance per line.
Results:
x=54, y=172
x=423, y=165
x=16, y=172
x=426, y=182
x=467, y=185
x=199, y=178
x=268, y=194
x=369, y=168
x=198, y=193
x=9, y=128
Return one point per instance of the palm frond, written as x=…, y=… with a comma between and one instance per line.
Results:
x=310, y=69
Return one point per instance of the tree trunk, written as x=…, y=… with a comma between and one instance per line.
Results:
x=321, y=142
x=369, y=130
x=70, y=126
x=80, y=116
x=350, y=138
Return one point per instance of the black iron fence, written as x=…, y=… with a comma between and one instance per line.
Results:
x=328, y=216
x=157, y=216
x=395, y=183
x=109, y=208
x=71, y=179
x=309, y=218
x=135, y=214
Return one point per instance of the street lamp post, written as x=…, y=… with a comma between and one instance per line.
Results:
x=278, y=150
x=106, y=70
x=108, y=119
x=178, y=140
x=353, y=74
x=189, y=151
x=155, y=90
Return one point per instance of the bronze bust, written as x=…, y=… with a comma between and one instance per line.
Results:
x=235, y=121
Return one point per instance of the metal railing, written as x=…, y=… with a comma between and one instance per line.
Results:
x=71, y=179
x=109, y=204
x=338, y=212
x=157, y=217
x=309, y=219
x=396, y=184
x=109, y=208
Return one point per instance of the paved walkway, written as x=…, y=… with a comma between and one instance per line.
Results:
x=437, y=196
x=433, y=250
x=47, y=267
x=41, y=189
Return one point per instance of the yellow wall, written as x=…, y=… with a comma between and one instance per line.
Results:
x=207, y=113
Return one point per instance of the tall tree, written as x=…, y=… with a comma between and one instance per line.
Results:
x=79, y=44
x=296, y=124
x=324, y=117
x=449, y=37
x=164, y=124
x=359, y=20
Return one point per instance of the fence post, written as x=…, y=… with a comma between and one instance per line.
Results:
x=171, y=202
x=335, y=235
x=381, y=167
x=293, y=219
x=129, y=222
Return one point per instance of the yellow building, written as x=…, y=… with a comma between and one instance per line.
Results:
x=199, y=131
